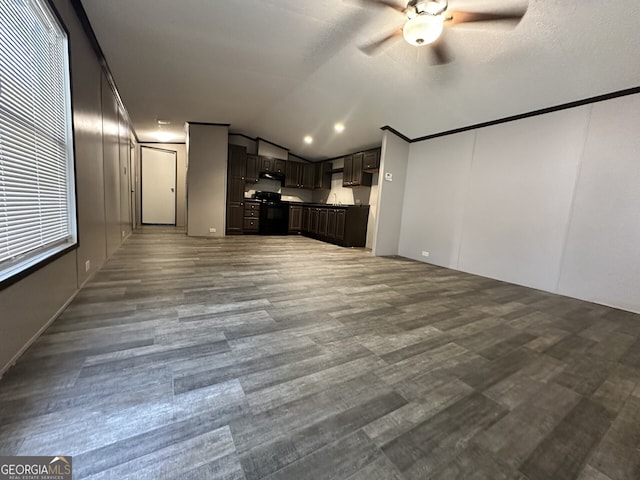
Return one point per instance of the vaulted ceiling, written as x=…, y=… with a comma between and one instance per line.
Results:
x=283, y=69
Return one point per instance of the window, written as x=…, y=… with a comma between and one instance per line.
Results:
x=37, y=192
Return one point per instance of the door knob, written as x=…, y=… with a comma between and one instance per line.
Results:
x=172, y=190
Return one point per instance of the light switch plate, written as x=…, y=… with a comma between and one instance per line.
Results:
x=388, y=176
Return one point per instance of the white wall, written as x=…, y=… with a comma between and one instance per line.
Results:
x=549, y=202
x=207, y=151
x=387, y=217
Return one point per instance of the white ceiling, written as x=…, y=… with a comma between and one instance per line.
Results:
x=282, y=69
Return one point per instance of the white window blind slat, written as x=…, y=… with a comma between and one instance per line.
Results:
x=37, y=204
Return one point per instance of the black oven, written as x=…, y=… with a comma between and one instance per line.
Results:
x=274, y=213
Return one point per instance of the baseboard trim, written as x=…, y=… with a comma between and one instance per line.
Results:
x=42, y=329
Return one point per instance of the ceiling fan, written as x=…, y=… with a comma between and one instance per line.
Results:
x=426, y=20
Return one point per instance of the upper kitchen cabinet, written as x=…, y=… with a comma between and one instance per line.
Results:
x=253, y=169
x=237, y=162
x=353, y=174
x=371, y=160
x=308, y=176
x=272, y=165
x=299, y=175
x=322, y=180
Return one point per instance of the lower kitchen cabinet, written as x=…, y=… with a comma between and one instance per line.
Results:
x=313, y=220
x=322, y=222
x=295, y=218
x=235, y=213
x=346, y=226
x=305, y=218
x=251, y=220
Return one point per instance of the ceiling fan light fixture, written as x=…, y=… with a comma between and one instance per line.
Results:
x=423, y=29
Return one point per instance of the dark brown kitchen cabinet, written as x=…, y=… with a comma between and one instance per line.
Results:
x=322, y=221
x=331, y=222
x=371, y=160
x=307, y=176
x=235, y=190
x=253, y=169
x=347, y=171
x=272, y=165
x=305, y=219
x=251, y=220
x=353, y=175
x=346, y=226
x=336, y=221
x=313, y=220
x=279, y=166
x=251, y=226
x=292, y=175
x=237, y=162
x=341, y=221
x=295, y=218
x=236, y=173
x=235, y=219
x=299, y=175
x=322, y=176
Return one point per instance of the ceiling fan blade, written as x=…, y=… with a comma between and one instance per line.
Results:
x=385, y=3
x=373, y=47
x=441, y=53
x=458, y=17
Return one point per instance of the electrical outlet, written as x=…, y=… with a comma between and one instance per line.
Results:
x=425, y=254
x=212, y=230
x=87, y=265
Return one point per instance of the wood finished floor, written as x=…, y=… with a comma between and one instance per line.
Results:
x=286, y=358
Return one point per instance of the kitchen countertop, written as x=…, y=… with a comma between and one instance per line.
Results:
x=324, y=205
x=309, y=204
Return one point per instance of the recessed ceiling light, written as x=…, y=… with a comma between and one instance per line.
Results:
x=308, y=139
x=164, y=122
x=339, y=127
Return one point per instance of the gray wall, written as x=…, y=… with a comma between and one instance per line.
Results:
x=250, y=145
x=386, y=218
x=111, y=166
x=266, y=149
x=602, y=252
x=549, y=202
x=207, y=151
x=31, y=304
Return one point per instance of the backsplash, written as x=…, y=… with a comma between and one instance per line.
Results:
x=343, y=195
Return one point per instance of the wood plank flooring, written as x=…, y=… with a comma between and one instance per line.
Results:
x=286, y=358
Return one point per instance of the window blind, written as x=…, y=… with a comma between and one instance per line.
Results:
x=37, y=199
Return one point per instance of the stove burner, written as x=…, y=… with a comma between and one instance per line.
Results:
x=274, y=197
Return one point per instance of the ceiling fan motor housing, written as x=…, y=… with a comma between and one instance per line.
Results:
x=430, y=7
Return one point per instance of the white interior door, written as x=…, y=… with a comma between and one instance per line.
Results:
x=158, y=185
